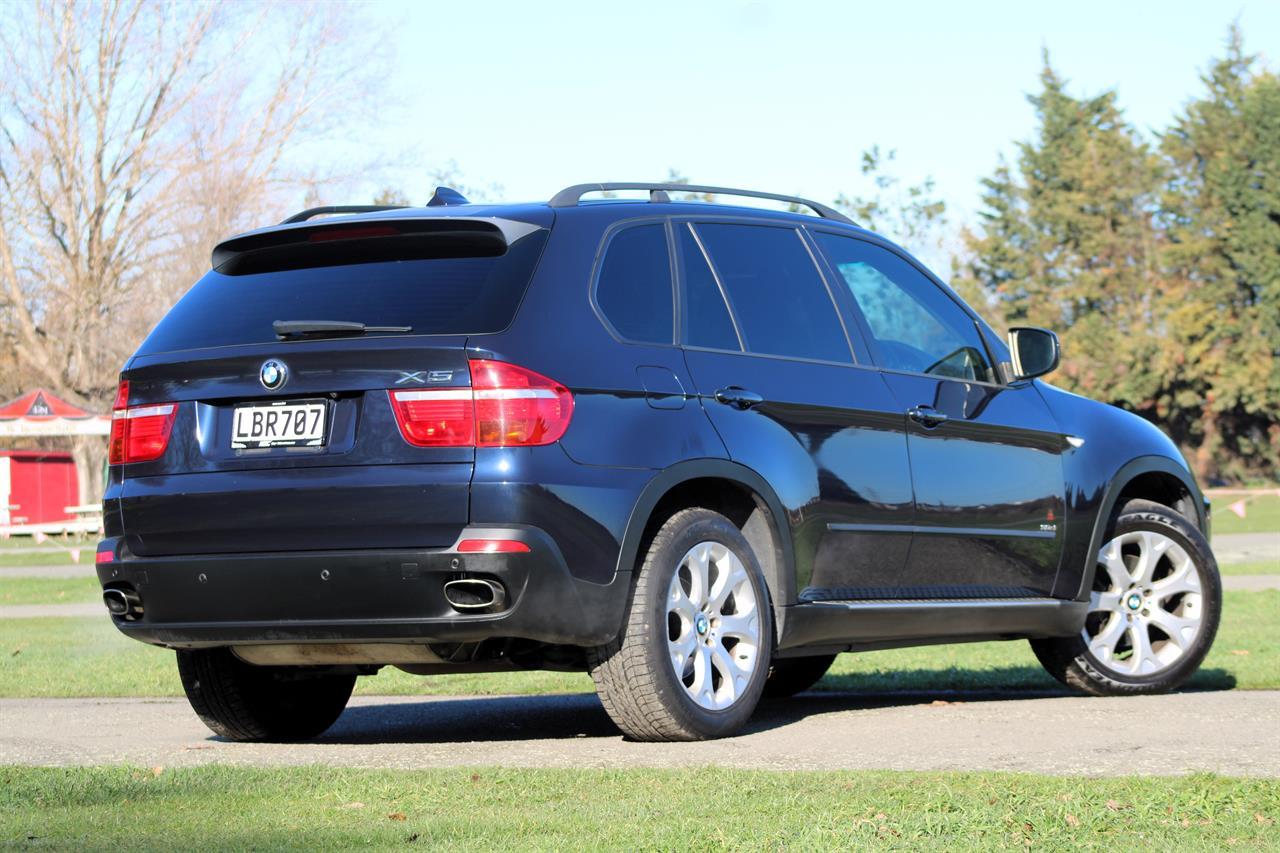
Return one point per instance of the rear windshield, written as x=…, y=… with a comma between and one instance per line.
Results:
x=443, y=296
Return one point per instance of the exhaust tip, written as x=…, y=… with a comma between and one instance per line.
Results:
x=122, y=603
x=473, y=594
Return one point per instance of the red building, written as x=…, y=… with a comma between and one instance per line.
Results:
x=37, y=486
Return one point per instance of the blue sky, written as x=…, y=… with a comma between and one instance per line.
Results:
x=779, y=96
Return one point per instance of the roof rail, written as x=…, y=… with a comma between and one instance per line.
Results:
x=313, y=212
x=658, y=193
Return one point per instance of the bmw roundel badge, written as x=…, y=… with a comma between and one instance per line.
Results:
x=273, y=374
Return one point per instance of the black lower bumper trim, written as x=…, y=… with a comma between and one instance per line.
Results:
x=363, y=596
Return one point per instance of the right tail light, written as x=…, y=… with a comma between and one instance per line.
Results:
x=506, y=406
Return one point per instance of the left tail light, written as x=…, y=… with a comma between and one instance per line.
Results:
x=139, y=433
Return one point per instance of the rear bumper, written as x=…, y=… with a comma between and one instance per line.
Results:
x=385, y=595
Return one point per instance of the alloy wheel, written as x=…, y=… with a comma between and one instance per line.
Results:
x=1146, y=607
x=713, y=625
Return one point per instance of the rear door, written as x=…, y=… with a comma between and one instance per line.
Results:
x=292, y=443
x=774, y=369
x=986, y=458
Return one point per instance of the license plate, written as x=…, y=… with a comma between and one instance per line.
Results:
x=299, y=423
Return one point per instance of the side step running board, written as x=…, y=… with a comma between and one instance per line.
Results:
x=884, y=624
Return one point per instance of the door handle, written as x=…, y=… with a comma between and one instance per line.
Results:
x=739, y=398
x=927, y=416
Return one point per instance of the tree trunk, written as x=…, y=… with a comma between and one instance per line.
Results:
x=90, y=454
x=1203, y=463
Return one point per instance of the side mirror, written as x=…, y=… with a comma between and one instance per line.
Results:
x=1035, y=351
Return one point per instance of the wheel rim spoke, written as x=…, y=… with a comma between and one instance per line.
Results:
x=714, y=625
x=1181, y=630
x=1103, y=645
x=1113, y=561
x=744, y=627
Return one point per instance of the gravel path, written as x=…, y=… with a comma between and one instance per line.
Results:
x=1050, y=734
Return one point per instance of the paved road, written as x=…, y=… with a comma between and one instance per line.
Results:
x=1234, y=732
x=1251, y=583
x=1247, y=548
x=71, y=571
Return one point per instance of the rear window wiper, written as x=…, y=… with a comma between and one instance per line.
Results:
x=301, y=328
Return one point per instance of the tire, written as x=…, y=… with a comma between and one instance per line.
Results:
x=789, y=676
x=1114, y=661
x=243, y=702
x=636, y=675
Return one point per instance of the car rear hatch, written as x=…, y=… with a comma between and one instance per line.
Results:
x=282, y=430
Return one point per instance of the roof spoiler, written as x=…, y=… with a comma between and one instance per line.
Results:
x=362, y=239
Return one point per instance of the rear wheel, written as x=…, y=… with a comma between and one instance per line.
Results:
x=243, y=702
x=694, y=652
x=789, y=676
x=1153, y=609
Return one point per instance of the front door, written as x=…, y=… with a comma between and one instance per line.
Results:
x=769, y=355
x=985, y=456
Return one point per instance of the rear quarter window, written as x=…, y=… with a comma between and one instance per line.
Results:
x=634, y=288
x=435, y=296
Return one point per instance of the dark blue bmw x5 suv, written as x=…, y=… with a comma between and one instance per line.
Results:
x=695, y=449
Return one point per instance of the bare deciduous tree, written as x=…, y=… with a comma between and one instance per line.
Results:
x=133, y=135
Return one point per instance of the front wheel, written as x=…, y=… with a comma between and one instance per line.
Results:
x=693, y=655
x=243, y=702
x=1153, y=609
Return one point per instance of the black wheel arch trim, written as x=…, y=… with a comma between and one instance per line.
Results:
x=1130, y=471
x=782, y=586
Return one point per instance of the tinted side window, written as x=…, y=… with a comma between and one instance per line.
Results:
x=706, y=318
x=776, y=292
x=634, y=290
x=914, y=325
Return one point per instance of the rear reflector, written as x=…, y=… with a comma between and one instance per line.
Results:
x=139, y=433
x=492, y=546
x=104, y=557
x=507, y=406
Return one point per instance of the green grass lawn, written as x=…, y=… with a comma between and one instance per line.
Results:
x=88, y=657
x=1262, y=515
x=1261, y=567
x=50, y=590
x=74, y=541
x=48, y=557
x=309, y=808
